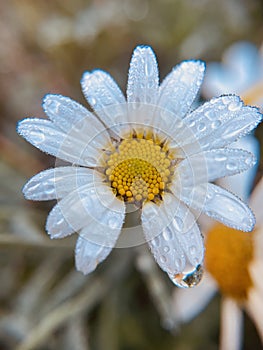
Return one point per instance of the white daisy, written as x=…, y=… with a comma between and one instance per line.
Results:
x=235, y=263
x=151, y=152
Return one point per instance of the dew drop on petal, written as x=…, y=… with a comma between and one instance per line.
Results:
x=192, y=249
x=231, y=166
x=92, y=101
x=188, y=279
x=216, y=124
x=235, y=106
x=37, y=136
x=166, y=249
x=112, y=223
x=178, y=223
x=220, y=158
x=163, y=259
x=249, y=160
x=167, y=234
x=156, y=241
x=201, y=127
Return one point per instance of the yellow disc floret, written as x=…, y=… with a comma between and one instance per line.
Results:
x=228, y=256
x=139, y=169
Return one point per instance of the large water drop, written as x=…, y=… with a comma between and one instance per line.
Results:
x=188, y=279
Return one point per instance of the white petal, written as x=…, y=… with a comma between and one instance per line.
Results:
x=104, y=96
x=56, y=183
x=172, y=234
x=188, y=303
x=94, y=245
x=143, y=79
x=241, y=184
x=44, y=135
x=88, y=255
x=208, y=117
x=239, y=121
x=256, y=202
x=254, y=307
x=92, y=202
x=217, y=203
x=231, y=325
x=73, y=118
x=209, y=165
x=179, y=89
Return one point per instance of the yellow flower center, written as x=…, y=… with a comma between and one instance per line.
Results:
x=228, y=255
x=139, y=169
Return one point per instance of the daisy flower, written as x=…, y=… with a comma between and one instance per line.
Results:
x=241, y=72
x=150, y=152
x=234, y=264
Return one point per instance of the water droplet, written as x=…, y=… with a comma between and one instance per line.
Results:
x=166, y=249
x=156, y=242
x=225, y=99
x=216, y=124
x=201, y=127
x=37, y=136
x=220, y=158
x=247, y=222
x=49, y=190
x=191, y=123
x=53, y=105
x=188, y=279
x=178, y=223
x=231, y=166
x=248, y=160
x=163, y=259
x=210, y=114
x=92, y=101
x=178, y=263
x=148, y=99
x=148, y=68
x=192, y=250
x=112, y=223
x=235, y=106
x=167, y=234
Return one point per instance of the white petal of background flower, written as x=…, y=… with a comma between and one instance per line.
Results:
x=254, y=307
x=209, y=165
x=231, y=325
x=56, y=183
x=256, y=202
x=180, y=88
x=188, y=303
x=241, y=67
x=44, y=135
x=71, y=117
x=92, y=202
x=219, y=204
x=143, y=77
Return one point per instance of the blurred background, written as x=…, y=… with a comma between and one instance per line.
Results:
x=46, y=45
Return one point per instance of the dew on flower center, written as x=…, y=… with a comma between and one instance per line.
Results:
x=228, y=256
x=139, y=169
